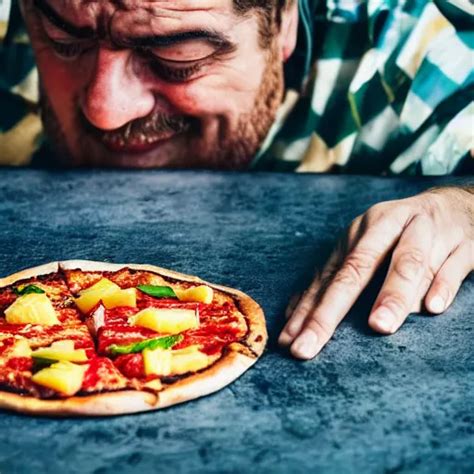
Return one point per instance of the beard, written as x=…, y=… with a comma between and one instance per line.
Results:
x=194, y=143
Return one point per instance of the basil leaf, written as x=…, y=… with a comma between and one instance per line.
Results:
x=158, y=291
x=160, y=343
x=42, y=363
x=27, y=290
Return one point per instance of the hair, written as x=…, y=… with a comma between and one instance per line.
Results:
x=270, y=15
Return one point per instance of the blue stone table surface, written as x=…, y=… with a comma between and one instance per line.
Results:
x=365, y=404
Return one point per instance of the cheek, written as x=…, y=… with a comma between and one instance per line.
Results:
x=228, y=90
x=61, y=83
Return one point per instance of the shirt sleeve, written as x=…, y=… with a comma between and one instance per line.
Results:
x=390, y=91
x=20, y=124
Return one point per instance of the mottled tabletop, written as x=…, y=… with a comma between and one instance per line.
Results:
x=365, y=404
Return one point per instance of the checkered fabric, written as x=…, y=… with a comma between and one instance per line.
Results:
x=377, y=86
x=389, y=90
x=20, y=125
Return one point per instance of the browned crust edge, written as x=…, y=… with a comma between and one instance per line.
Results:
x=227, y=369
x=29, y=273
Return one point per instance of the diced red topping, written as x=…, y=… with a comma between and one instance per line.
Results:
x=131, y=365
x=21, y=364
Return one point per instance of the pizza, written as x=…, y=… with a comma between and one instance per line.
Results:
x=91, y=338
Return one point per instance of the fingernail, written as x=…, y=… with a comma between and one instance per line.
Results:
x=385, y=320
x=437, y=304
x=305, y=347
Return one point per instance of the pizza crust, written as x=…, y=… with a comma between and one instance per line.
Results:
x=29, y=273
x=235, y=361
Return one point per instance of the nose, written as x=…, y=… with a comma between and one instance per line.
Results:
x=115, y=95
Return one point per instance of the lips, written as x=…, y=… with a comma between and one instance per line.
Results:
x=140, y=143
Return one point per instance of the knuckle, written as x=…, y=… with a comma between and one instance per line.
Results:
x=402, y=212
x=409, y=264
x=378, y=209
x=396, y=304
x=352, y=274
x=375, y=213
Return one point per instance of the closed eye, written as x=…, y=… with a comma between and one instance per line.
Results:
x=175, y=71
x=70, y=51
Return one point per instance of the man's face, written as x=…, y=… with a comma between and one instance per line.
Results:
x=154, y=83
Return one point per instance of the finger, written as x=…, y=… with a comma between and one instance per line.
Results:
x=425, y=286
x=295, y=299
x=443, y=245
x=306, y=303
x=410, y=262
x=346, y=286
x=298, y=313
x=308, y=300
x=449, y=278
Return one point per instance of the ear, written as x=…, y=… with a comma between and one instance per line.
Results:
x=289, y=30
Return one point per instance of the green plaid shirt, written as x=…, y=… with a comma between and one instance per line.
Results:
x=377, y=86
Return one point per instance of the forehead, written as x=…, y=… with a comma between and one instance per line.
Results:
x=144, y=14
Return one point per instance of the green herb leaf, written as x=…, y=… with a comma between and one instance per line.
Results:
x=27, y=290
x=42, y=363
x=158, y=291
x=160, y=343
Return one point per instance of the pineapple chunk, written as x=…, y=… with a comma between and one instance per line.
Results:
x=166, y=321
x=91, y=296
x=61, y=350
x=107, y=292
x=198, y=294
x=63, y=377
x=154, y=385
x=165, y=362
x=188, y=362
x=157, y=362
x=121, y=298
x=21, y=348
x=32, y=309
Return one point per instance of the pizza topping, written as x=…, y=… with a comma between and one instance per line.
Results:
x=148, y=331
x=33, y=308
x=157, y=362
x=20, y=364
x=97, y=320
x=199, y=294
x=158, y=343
x=130, y=365
x=102, y=375
x=20, y=348
x=126, y=298
x=61, y=351
x=190, y=359
x=166, y=321
x=109, y=293
x=158, y=291
x=27, y=290
x=63, y=377
x=164, y=362
x=154, y=384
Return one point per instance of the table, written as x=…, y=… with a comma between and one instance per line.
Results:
x=366, y=404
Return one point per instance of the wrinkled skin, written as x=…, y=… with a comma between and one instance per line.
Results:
x=109, y=101
x=430, y=242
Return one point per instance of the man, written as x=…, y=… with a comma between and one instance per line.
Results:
x=236, y=84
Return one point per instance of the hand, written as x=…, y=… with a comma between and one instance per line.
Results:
x=431, y=238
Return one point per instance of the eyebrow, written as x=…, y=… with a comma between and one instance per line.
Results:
x=73, y=30
x=213, y=37
x=155, y=41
